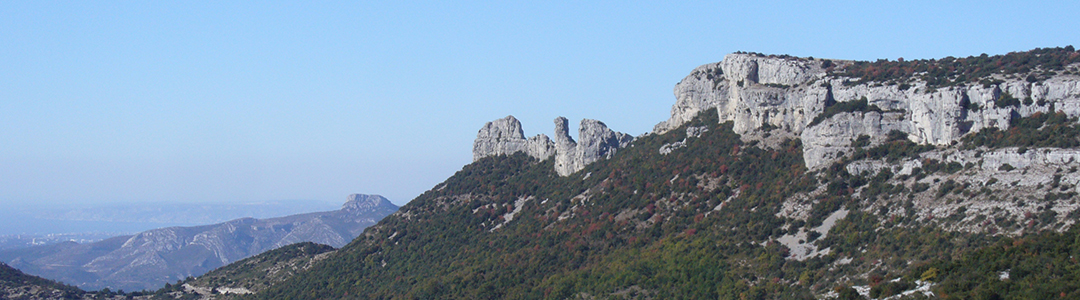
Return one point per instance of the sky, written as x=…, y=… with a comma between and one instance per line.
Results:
x=246, y=101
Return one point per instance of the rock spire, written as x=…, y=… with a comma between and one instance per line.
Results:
x=504, y=136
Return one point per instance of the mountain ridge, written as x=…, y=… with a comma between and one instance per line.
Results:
x=150, y=259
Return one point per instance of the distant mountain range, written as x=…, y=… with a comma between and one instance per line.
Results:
x=48, y=222
x=150, y=259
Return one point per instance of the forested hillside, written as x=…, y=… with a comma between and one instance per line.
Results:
x=701, y=222
x=683, y=224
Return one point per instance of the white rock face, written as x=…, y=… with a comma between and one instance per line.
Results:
x=1034, y=182
x=697, y=92
x=832, y=138
x=760, y=69
x=755, y=91
x=504, y=136
x=597, y=142
x=691, y=132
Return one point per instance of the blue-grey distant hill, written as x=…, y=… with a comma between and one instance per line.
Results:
x=150, y=259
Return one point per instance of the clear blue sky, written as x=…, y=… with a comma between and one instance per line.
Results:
x=180, y=101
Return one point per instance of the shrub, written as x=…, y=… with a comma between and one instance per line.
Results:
x=1040, y=130
x=861, y=105
x=1006, y=100
x=950, y=71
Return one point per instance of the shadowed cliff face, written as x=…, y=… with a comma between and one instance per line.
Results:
x=150, y=259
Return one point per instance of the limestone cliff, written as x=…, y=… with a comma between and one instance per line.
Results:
x=763, y=93
x=820, y=102
x=597, y=142
x=505, y=136
x=840, y=108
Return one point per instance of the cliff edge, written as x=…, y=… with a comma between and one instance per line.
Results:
x=784, y=95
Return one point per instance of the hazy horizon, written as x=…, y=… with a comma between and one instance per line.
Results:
x=133, y=217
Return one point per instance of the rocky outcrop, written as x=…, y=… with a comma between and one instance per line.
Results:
x=504, y=136
x=758, y=92
x=771, y=96
x=361, y=203
x=150, y=259
x=691, y=132
x=596, y=141
x=832, y=138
